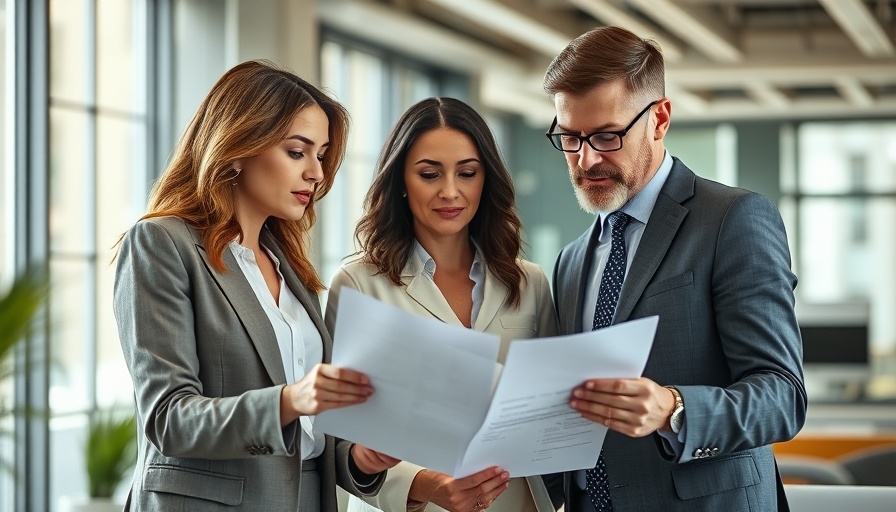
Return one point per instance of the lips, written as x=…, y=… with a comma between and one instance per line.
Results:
x=448, y=213
x=303, y=196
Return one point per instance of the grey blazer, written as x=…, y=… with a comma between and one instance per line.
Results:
x=207, y=377
x=714, y=264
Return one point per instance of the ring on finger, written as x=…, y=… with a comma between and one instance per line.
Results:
x=478, y=505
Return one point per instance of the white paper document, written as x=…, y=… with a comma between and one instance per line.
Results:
x=433, y=403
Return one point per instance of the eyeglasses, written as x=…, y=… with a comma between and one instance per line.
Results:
x=599, y=141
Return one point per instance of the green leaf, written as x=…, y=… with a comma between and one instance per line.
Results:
x=110, y=451
x=17, y=308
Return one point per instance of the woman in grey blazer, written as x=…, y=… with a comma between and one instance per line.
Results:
x=218, y=317
x=441, y=238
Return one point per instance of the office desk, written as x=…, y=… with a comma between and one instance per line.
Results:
x=834, y=430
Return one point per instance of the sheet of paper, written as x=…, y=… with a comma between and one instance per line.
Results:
x=432, y=382
x=530, y=429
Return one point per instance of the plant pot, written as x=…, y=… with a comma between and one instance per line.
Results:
x=67, y=504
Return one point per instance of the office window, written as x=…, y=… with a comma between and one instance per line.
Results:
x=97, y=189
x=839, y=202
x=6, y=242
x=375, y=89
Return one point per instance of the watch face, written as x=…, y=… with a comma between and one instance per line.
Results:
x=675, y=420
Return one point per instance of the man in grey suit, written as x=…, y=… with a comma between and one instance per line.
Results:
x=724, y=377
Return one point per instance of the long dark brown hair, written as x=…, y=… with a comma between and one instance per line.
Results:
x=385, y=232
x=250, y=109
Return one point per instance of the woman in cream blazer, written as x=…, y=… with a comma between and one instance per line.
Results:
x=440, y=237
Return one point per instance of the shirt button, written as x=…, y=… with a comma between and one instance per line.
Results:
x=301, y=361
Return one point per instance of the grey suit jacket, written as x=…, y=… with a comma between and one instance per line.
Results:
x=714, y=264
x=207, y=377
x=534, y=317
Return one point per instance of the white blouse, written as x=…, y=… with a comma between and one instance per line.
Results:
x=301, y=347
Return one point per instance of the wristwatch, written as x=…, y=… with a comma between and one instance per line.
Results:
x=677, y=417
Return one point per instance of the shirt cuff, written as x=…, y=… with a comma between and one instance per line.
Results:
x=674, y=443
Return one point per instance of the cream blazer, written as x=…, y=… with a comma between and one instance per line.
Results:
x=534, y=317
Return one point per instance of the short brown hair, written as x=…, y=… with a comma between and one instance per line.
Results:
x=249, y=109
x=604, y=55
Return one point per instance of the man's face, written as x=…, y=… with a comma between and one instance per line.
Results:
x=607, y=180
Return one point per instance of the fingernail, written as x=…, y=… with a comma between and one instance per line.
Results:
x=589, y=385
x=578, y=393
x=573, y=403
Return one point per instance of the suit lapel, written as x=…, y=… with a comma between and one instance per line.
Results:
x=494, y=297
x=666, y=218
x=245, y=304
x=582, y=250
x=425, y=292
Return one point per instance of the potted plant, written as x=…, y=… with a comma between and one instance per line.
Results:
x=18, y=307
x=109, y=454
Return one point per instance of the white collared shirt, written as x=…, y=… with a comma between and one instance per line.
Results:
x=301, y=347
x=477, y=275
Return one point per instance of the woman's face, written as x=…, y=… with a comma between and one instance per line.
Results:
x=280, y=182
x=444, y=178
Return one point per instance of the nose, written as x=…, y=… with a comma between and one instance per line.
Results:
x=588, y=156
x=314, y=172
x=449, y=190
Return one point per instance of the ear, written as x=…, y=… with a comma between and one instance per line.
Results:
x=663, y=116
x=237, y=164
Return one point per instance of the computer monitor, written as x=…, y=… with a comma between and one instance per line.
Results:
x=835, y=349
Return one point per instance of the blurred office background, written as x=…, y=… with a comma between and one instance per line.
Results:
x=792, y=98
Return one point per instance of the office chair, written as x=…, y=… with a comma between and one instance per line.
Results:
x=799, y=469
x=874, y=466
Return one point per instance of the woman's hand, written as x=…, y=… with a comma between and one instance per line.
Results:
x=371, y=461
x=324, y=387
x=472, y=493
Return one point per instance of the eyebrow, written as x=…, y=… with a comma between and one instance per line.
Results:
x=306, y=140
x=604, y=128
x=435, y=162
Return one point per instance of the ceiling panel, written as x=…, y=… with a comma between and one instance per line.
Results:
x=725, y=59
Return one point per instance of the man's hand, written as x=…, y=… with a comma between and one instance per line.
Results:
x=634, y=407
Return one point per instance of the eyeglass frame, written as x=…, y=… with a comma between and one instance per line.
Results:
x=587, y=138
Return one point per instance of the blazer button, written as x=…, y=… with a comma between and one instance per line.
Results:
x=715, y=451
x=266, y=450
x=698, y=453
x=251, y=450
